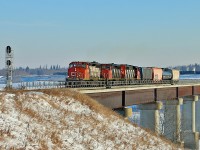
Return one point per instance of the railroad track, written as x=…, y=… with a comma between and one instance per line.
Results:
x=97, y=84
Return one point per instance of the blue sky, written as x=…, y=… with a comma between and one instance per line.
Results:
x=144, y=33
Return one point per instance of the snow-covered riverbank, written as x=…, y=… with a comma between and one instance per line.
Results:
x=63, y=119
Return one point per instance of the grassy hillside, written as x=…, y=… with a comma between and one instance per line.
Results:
x=64, y=119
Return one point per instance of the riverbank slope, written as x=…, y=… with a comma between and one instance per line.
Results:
x=65, y=119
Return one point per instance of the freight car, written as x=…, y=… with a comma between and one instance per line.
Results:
x=85, y=74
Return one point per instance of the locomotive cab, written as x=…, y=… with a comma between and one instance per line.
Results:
x=78, y=71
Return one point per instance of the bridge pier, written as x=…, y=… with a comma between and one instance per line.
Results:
x=190, y=122
x=189, y=113
x=172, y=120
x=150, y=116
x=128, y=112
x=198, y=116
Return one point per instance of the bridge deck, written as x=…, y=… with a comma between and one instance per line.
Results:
x=118, y=97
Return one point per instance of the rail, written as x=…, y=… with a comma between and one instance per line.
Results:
x=41, y=85
x=85, y=84
x=93, y=84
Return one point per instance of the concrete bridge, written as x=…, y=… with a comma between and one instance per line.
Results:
x=177, y=104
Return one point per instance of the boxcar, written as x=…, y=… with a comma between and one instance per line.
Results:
x=157, y=74
x=146, y=73
x=175, y=75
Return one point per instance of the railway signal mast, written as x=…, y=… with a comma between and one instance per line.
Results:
x=9, y=66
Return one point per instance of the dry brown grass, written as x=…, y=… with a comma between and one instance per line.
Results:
x=53, y=105
x=18, y=104
x=32, y=114
x=84, y=99
x=55, y=139
x=43, y=145
x=2, y=101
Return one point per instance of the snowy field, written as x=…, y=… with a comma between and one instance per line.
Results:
x=17, y=80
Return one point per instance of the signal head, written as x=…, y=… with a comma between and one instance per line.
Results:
x=8, y=49
x=8, y=62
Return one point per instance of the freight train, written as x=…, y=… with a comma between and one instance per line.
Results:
x=110, y=74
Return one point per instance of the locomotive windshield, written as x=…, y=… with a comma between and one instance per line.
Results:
x=105, y=67
x=71, y=65
x=77, y=65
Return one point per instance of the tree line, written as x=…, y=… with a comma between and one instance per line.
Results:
x=191, y=67
x=41, y=70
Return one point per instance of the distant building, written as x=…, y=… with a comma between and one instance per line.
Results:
x=197, y=68
x=194, y=69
